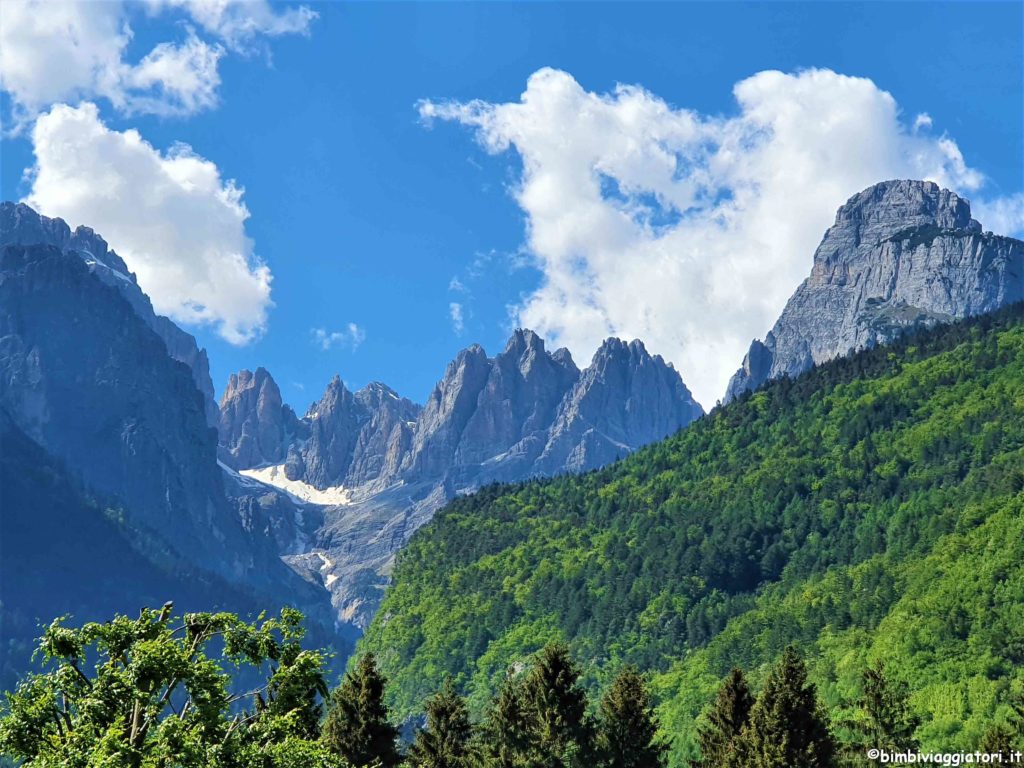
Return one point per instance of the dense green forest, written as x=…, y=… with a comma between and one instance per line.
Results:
x=872, y=509
x=160, y=691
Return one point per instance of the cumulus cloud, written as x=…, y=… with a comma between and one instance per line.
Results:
x=351, y=337
x=455, y=314
x=170, y=215
x=69, y=50
x=173, y=79
x=690, y=231
x=238, y=24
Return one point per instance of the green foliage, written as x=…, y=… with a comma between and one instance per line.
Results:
x=357, y=726
x=869, y=509
x=149, y=692
x=787, y=726
x=506, y=731
x=539, y=719
x=627, y=734
x=447, y=739
x=556, y=706
x=725, y=721
x=885, y=718
x=1000, y=740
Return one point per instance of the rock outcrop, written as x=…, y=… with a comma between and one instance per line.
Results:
x=20, y=225
x=384, y=439
x=901, y=255
x=89, y=382
x=625, y=399
x=255, y=426
x=523, y=413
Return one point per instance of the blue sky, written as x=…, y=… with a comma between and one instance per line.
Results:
x=366, y=214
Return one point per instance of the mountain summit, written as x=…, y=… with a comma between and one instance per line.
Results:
x=380, y=465
x=21, y=225
x=522, y=413
x=901, y=255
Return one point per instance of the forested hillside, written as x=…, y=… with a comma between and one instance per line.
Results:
x=873, y=508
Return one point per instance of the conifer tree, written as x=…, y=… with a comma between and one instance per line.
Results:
x=999, y=740
x=556, y=709
x=628, y=727
x=357, y=726
x=888, y=723
x=729, y=714
x=447, y=739
x=788, y=727
x=505, y=734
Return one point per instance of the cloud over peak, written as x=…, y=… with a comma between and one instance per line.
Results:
x=690, y=231
x=177, y=224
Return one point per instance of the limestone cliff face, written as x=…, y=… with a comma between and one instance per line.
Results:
x=626, y=399
x=901, y=254
x=355, y=439
x=95, y=388
x=255, y=426
x=86, y=379
x=525, y=412
x=385, y=436
x=448, y=410
x=20, y=225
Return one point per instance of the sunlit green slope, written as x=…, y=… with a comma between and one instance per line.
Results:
x=872, y=508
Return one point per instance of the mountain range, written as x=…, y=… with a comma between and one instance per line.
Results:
x=108, y=414
x=859, y=496
x=117, y=404
x=245, y=502
x=379, y=465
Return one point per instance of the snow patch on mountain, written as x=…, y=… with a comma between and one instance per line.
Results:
x=336, y=496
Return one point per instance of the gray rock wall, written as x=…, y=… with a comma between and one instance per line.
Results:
x=901, y=255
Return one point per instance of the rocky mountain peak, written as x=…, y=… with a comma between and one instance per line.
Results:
x=901, y=255
x=21, y=225
x=523, y=339
x=617, y=352
x=256, y=427
x=563, y=357
x=626, y=398
x=522, y=413
x=889, y=207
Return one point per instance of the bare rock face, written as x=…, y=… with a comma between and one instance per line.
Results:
x=448, y=410
x=624, y=400
x=334, y=425
x=523, y=413
x=88, y=381
x=255, y=428
x=507, y=425
x=901, y=255
x=20, y=225
x=384, y=439
x=356, y=440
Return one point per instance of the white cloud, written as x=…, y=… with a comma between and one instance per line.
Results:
x=687, y=230
x=239, y=23
x=175, y=79
x=455, y=314
x=68, y=50
x=1004, y=215
x=178, y=225
x=352, y=336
